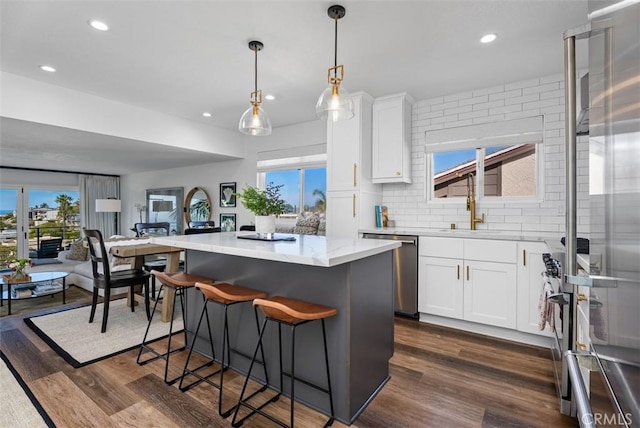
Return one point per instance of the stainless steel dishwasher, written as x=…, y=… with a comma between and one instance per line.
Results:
x=405, y=273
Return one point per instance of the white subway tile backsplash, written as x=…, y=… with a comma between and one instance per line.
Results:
x=459, y=96
x=539, y=104
x=473, y=100
x=430, y=114
x=522, y=99
x=512, y=108
x=458, y=109
x=523, y=84
x=444, y=106
x=507, y=94
x=549, y=87
x=474, y=114
x=488, y=91
x=544, y=95
x=488, y=105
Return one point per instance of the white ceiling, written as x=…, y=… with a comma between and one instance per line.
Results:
x=184, y=57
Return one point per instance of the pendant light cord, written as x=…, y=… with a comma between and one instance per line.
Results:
x=255, y=70
x=335, y=48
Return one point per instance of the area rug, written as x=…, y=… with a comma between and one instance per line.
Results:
x=19, y=408
x=80, y=343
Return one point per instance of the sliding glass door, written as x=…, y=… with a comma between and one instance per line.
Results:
x=10, y=226
x=54, y=220
x=37, y=223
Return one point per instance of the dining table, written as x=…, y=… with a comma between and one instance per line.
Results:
x=138, y=251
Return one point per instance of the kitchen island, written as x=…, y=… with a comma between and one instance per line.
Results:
x=355, y=276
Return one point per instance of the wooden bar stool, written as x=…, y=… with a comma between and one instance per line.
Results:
x=226, y=295
x=293, y=313
x=179, y=281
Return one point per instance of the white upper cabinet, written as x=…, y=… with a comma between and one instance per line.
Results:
x=391, y=162
x=351, y=196
x=349, y=148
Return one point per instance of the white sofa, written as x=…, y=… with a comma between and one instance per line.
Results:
x=80, y=271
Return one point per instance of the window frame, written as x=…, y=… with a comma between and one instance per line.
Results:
x=300, y=163
x=530, y=135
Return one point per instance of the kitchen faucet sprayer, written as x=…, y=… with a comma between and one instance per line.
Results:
x=471, y=202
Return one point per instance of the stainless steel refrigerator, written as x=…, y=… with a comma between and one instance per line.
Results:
x=603, y=360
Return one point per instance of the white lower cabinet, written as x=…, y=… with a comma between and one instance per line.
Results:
x=440, y=289
x=490, y=293
x=457, y=286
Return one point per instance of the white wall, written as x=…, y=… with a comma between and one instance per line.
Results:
x=210, y=176
x=542, y=96
x=34, y=101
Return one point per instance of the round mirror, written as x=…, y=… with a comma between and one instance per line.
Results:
x=198, y=206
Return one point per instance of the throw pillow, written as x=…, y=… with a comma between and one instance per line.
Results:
x=77, y=251
x=322, y=227
x=308, y=225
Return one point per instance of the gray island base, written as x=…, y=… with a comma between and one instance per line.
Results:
x=359, y=337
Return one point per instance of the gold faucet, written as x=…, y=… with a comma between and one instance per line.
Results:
x=471, y=202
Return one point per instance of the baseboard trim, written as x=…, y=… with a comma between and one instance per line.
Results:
x=488, y=330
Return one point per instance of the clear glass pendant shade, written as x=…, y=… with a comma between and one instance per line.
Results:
x=255, y=122
x=334, y=104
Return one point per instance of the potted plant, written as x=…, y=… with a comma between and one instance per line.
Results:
x=265, y=204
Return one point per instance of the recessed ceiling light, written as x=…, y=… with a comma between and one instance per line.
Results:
x=206, y=114
x=269, y=97
x=98, y=25
x=48, y=68
x=488, y=38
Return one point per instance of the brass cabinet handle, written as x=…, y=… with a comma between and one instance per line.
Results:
x=524, y=257
x=582, y=297
x=581, y=346
x=467, y=273
x=398, y=173
x=458, y=271
x=355, y=172
x=353, y=200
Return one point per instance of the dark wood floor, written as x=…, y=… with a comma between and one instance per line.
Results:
x=439, y=378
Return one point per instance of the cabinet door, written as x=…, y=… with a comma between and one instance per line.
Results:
x=342, y=210
x=440, y=286
x=392, y=139
x=530, y=268
x=490, y=293
x=343, y=150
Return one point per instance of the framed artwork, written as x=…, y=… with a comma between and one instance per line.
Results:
x=227, y=195
x=228, y=222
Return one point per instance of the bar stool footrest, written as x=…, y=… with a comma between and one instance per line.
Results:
x=258, y=409
x=157, y=354
x=201, y=378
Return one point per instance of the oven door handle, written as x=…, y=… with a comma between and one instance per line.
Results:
x=585, y=414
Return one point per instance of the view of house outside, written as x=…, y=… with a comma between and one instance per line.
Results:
x=508, y=171
x=51, y=213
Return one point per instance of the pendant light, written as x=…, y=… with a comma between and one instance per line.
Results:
x=255, y=121
x=335, y=103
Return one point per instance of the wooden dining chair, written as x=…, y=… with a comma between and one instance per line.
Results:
x=150, y=263
x=105, y=279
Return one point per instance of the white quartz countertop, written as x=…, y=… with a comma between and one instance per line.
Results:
x=306, y=249
x=504, y=235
